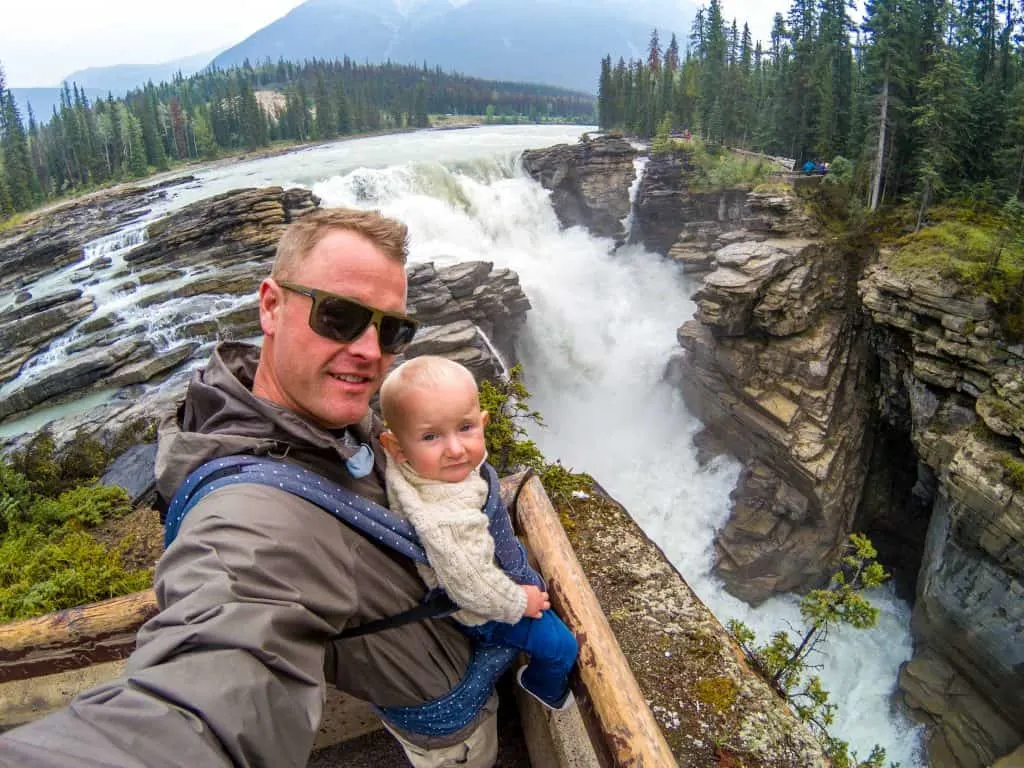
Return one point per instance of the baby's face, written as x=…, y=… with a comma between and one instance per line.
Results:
x=442, y=431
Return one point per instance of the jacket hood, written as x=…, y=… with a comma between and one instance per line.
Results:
x=221, y=417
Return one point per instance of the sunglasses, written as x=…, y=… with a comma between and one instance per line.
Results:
x=340, y=318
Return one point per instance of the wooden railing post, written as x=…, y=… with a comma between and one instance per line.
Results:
x=610, y=694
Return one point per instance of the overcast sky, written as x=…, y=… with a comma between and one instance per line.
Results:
x=42, y=41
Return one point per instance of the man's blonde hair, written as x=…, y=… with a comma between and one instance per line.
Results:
x=302, y=236
x=424, y=372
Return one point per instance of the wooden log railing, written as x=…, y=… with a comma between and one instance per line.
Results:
x=73, y=638
x=620, y=724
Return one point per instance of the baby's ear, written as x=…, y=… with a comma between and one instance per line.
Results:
x=391, y=446
x=485, y=417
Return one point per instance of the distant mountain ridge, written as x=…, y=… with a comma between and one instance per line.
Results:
x=556, y=42
x=121, y=78
x=98, y=82
x=44, y=100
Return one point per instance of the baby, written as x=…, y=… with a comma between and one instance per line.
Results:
x=435, y=447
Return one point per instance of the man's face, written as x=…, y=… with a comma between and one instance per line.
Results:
x=326, y=381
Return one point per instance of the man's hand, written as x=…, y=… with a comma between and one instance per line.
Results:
x=536, y=601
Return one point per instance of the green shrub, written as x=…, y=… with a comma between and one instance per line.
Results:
x=50, y=472
x=509, y=448
x=87, y=506
x=40, y=574
x=1014, y=471
x=48, y=560
x=785, y=660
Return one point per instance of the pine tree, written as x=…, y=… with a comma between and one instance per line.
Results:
x=19, y=178
x=420, y=117
x=343, y=110
x=942, y=119
x=605, y=98
x=326, y=122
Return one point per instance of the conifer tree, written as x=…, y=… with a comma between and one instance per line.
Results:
x=19, y=179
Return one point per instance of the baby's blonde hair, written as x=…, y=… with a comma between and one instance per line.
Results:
x=424, y=372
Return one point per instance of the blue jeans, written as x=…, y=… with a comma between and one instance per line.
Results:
x=552, y=648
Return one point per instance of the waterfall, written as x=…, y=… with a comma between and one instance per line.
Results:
x=594, y=349
x=495, y=352
x=640, y=166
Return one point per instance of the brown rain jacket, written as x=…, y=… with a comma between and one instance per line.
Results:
x=232, y=670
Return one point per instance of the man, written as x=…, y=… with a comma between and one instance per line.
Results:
x=232, y=670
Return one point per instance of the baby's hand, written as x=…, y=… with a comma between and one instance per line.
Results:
x=536, y=601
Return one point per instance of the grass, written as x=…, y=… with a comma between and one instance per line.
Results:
x=12, y=221
x=1014, y=468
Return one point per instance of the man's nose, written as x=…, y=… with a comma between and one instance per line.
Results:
x=367, y=345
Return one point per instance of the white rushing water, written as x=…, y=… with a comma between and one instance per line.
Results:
x=595, y=346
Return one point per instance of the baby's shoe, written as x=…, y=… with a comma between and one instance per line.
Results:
x=559, y=704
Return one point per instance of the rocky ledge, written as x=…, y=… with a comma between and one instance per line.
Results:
x=55, y=236
x=195, y=281
x=677, y=215
x=589, y=182
x=713, y=709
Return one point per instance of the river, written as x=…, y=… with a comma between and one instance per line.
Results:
x=594, y=349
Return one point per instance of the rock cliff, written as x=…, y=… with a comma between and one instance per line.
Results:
x=862, y=397
x=589, y=182
x=952, y=382
x=775, y=367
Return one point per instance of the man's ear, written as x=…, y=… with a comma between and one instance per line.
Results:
x=391, y=446
x=271, y=305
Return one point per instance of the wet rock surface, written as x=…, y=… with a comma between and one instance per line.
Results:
x=195, y=282
x=589, y=182
x=54, y=237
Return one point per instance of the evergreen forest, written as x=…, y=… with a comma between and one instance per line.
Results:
x=83, y=145
x=924, y=97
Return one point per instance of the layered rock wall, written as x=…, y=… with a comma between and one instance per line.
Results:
x=589, y=182
x=953, y=383
x=827, y=377
x=775, y=367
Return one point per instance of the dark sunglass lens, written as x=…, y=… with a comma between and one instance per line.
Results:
x=340, y=320
x=395, y=333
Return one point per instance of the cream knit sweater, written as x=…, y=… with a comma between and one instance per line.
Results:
x=453, y=530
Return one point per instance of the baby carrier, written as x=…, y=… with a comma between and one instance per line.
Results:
x=456, y=709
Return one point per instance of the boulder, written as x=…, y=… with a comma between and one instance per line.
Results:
x=589, y=182
x=133, y=470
